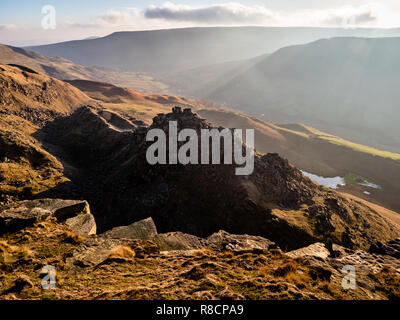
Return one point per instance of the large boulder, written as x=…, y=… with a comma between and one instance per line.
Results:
x=220, y=241
x=316, y=250
x=61, y=209
x=15, y=219
x=75, y=213
x=179, y=241
x=144, y=229
x=82, y=224
x=223, y=240
x=95, y=250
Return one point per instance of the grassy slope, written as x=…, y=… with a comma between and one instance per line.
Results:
x=25, y=167
x=21, y=88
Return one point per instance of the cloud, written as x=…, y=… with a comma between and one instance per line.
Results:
x=357, y=16
x=229, y=13
x=177, y=15
x=369, y=15
x=115, y=18
x=109, y=19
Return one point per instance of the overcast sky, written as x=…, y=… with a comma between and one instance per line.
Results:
x=21, y=21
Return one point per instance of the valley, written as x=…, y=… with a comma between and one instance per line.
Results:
x=78, y=192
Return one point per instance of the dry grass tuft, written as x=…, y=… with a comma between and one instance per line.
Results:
x=122, y=252
x=71, y=237
x=203, y=252
x=286, y=269
x=4, y=247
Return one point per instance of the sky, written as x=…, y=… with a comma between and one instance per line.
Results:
x=27, y=22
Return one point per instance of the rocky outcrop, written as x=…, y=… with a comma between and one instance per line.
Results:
x=61, y=209
x=276, y=202
x=179, y=241
x=82, y=224
x=94, y=251
x=339, y=251
x=144, y=229
x=222, y=240
x=79, y=136
x=16, y=219
x=316, y=250
x=75, y=213
x=391, y=248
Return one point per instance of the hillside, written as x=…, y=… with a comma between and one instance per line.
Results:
x=173, y=50
x=24, y=87
x=322, y=154
x=199, y=81
x=28, y=101
x=64, y=69
x=345, y=86
x=132, y=102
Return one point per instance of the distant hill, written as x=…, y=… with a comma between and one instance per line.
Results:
x=199, y=81
x=174, y=50
x=64, y=69
x=346, y=86
x=53, y=66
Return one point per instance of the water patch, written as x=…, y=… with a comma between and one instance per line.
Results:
x=370, y=185
x=333, y=183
